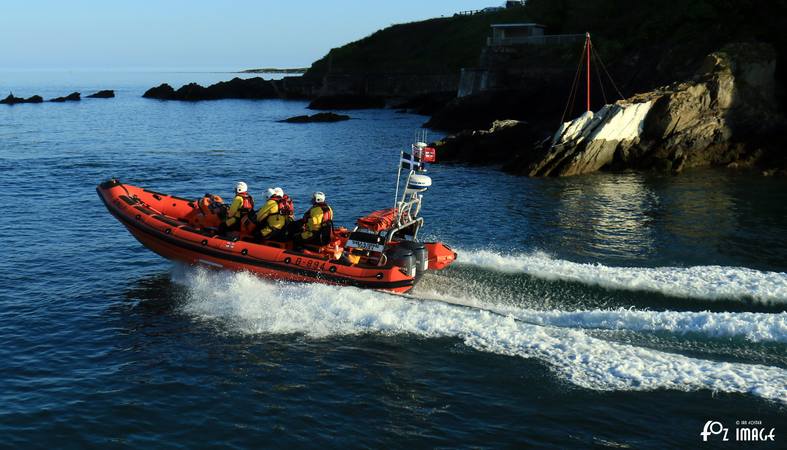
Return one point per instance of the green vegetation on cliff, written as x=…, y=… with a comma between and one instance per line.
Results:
x=435, y=45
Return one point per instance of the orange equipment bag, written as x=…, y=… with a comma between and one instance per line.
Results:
x=381, y=220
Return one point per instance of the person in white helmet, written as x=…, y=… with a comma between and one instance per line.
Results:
x=272, y=219
x=317, y=222
x=242, y=204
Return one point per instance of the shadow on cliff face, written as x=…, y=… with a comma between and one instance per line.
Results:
x=539, y=105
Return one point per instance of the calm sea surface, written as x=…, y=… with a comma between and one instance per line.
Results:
x=630, y=308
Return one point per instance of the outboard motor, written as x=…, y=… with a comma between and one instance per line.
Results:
x=421, y=256
x=404, y=258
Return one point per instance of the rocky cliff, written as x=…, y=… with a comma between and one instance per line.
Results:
x=717, y=118
x=725, y=115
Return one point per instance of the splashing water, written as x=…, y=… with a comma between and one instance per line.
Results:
x=699, y=282
x=249, y=305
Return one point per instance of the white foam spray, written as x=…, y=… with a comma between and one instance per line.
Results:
x=700, y=282
x=250, y=305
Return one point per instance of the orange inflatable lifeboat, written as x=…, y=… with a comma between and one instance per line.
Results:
x=381, y=252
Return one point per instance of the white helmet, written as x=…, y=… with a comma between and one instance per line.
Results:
x=271, y=192
x=318, y=197
x=279, y=191
x=241, y=187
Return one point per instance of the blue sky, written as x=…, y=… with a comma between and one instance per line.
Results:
x=109, y=34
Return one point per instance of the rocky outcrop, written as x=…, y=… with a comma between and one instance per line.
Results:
x=601, y=135
x=250, y=88
x=72, y=97
x=495, y=145
x=425, y=92
x=103, y=94
x=161, y=92
x=721, y=117
x=11, y=100
x=319, y=117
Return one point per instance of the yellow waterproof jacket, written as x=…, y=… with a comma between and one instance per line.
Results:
x=268, y=215
x=314, y=220
x=236, y=208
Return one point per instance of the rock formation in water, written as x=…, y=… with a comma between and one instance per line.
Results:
x=72, y=97
x=319, y=117
x=103, y=94
x=11, y=100
x=490, y=146
x=161, y=92
x=250, y=88
x=725, y=115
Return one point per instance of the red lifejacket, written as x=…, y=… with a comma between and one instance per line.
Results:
x=286, y=207
x=284, y=204
x=248, y=202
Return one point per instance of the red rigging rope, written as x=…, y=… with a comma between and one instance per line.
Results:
x=587, y=47
x=585, y=58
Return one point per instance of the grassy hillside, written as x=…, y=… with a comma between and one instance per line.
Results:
x=435, y=45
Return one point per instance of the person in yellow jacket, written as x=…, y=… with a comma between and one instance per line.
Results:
x=242, y=204
x=318, y=222
x=274, y=216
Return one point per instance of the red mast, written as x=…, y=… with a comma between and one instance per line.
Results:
x=587, y=47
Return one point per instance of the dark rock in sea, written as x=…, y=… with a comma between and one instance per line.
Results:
x=319, y=117
x=103, y=94
x=347, y=102
x=498, y=144
x=161, y=92
x=11, y=100
x=72, y=97
x=251, y=88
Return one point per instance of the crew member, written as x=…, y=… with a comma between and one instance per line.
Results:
x=242, y=204
x=273, y=217
x=289, y=208
x=318, y=222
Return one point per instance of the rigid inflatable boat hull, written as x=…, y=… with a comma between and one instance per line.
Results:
x=145, y=214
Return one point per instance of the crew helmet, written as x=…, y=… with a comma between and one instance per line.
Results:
x=279, y=191
x=241, y=187
x=271, y=192
x=318, y=197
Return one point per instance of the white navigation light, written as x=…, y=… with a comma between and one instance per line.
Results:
x=418, y=183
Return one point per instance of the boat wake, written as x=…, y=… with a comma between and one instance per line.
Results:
x=698, y=282
x=245, y=304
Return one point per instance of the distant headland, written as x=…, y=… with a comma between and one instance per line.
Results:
x=276, y=70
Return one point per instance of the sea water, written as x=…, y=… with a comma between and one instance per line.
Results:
x=622, y=310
